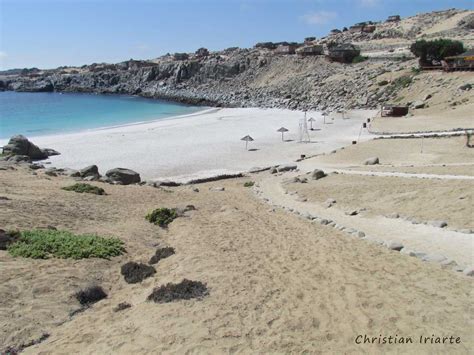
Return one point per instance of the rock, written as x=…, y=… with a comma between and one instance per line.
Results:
x=372, y=161
x=392, y=245
x=438, y=224
x=51, y=172
x=91, y=178
x=436, y=258
x=20, y=145
x=273, y=170
x=427, y=97
x=329, y=202
x=393, y=215
x=91, y=170
x=123, y=176
x=195, y=189
x=217, y=189
x=50, y=152
x=317, y=174
x=469, y=271
x=19, y=159
x=324, y=222
x=352, y=212
x=286, y=167
x=465, y=87
x=360, y=234
x=36, y=166
x=418, y=104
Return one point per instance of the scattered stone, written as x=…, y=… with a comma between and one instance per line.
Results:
x=50, y=152
x=324, y=222
x=317, y=174
x=4, y=198
x=466, y=231
x=123, y=176
x=301, y=199
x=35, y=166
x=329, y=202
x=392, y=245
x=393, y=215
x=469, y=271
x=352, y=212
x=134, y=272
x=217, y=189
x=372, y=161
x=438, y=224
x=184, y=290
x=273, y=170
x=161, y=253
x=433, y=258
x=122, y=306
x=90, y=295
x=360, y=234
x=195, y=189
x=19, y=159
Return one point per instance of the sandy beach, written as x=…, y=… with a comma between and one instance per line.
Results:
x=204, y=144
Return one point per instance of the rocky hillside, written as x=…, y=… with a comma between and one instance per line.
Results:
x=262, y=77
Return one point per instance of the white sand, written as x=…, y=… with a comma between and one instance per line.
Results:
x=203, y=144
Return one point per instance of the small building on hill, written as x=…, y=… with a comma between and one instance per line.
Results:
x=464, y=61
x=342, y=53
x=315, y=49
x=202, y=52
x=393, y=18
x=393, y=111
x=180, y=56
x=285, y=49
x=309, y=40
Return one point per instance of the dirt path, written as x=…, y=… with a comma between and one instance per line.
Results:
x=435, y=242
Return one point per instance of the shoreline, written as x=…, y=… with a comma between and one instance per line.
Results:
x=164, y=149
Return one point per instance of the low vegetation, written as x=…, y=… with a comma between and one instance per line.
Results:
x=43, y=244
x=184, y=290
x=90, y=295
x=134, y=272
x=161, y=253
x=162, y=216
x=85, y=188
x=249, y=183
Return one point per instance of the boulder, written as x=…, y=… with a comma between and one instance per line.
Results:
x=372, y=161
x=122, y=176
x=91, y=170
x=317, y=174
x=20, y=145
x=469, y=271
x=19, y=158
x=465, y=87
x=50, y=152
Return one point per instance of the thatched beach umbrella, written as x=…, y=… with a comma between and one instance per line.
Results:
x=247, y=139
x=282, y=130
x=311, y=120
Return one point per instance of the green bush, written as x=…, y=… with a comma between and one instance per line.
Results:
x=359, y=59
x=431, y=52
x=42, y=244
x=85, y=188
x=249, y=184
x=162, y=216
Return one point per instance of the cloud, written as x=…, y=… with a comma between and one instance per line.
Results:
x=319, y=17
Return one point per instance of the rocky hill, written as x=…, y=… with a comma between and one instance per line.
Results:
x=264, y=78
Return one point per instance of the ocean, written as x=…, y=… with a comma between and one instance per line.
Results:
x=38, y=114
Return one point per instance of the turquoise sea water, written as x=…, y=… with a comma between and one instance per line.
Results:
x=35, y=114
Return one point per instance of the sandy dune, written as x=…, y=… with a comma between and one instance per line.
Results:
x=278, y=283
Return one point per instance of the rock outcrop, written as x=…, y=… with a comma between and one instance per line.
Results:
x=20, y=145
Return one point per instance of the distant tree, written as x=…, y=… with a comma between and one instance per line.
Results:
x=431, y=52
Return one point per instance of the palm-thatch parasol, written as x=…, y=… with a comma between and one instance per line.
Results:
x=247, y=139
x=311, y=120
x=282, y=130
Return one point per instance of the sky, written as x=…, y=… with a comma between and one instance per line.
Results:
x=52, y=33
